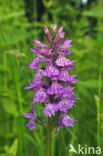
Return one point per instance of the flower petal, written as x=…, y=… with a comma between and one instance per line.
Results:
x=31, y=125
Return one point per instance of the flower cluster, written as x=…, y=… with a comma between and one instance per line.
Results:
x=52, y=82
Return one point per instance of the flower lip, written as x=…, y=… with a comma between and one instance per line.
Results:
x=55, y=88
x=65, y=104
x=63, y=61
x=40, y=96
x=50, y=109
x=65, y=120
x=31, y=125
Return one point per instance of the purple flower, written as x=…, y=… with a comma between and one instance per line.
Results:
x=60, y=30
x=64, y=76
x=35, y=64
x=65, y=121
x=63, y=61
x=40, y=95
x=32, y=116
x=42, y=51
x=39, y=44
x=68, y=121
x=55, y=88
x=68, y=52
x=31, y=125
x=72, y=79
x=48, y=36
x=59, y=40
x=65, y=104
x=51, y=71
x=45, y=51
x=35, y=50
x=52, y=84
x=66, y=44
x=36, y=83
x=68, y=93
x=50, y=109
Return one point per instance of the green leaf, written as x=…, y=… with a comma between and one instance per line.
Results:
x=96, y=12
x=6, y=154
x=13, y=148
x=11, y=15
x=90, y=83
x=10, y=107
x=47, y=4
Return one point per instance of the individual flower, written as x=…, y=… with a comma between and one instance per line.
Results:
x=68, y=121
x=55, y=88
x=72, y=79
x=40, y=95
x=65, y=104
x=68, y=93
x=66, y=44
x=59, y=40
x=32, y=116
x=51, y=71
x=50, y=109
x=65, y=121
x=48, y=36
x=39, y=44
x=35, y=64
x=36, y=83
x=64, y=76
x=35, y=50
x=62, y=61
x=45, y=51
x=60, y=30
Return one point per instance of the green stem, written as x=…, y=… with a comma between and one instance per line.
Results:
x=48, y=138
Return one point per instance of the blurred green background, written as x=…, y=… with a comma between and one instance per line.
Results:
x=21, y=22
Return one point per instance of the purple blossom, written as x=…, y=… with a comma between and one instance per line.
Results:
x=65, y=104
x=59, y=40
x=31, y=125
x=60, y=30
x=55, y=88
x=48, y=36
x=68, y=121
x=65, y=121
x=40, y=95
x=36, y=83
x=35, y=64
x=68, y=93
x=51, y=71
x=66, y=44
x=64, y=76
x=63, y=61
x=50, y=109
x=32, y=116
x=39, y=44
x=45, y=51
x=35, y=50
x=52, y=84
